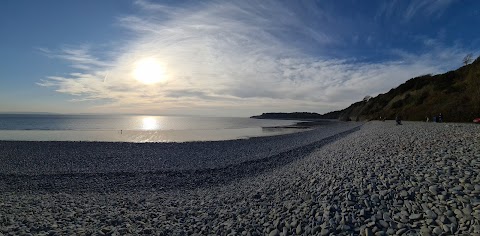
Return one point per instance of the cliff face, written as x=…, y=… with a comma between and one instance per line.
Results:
x=455, y=94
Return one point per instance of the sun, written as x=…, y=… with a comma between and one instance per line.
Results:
x=149, y=71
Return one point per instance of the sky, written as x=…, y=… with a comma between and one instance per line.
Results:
x=223, y=58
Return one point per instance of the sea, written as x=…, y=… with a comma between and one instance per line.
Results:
x=136, y=128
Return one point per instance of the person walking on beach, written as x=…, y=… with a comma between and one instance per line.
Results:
x=398, y=119
x=440, y=118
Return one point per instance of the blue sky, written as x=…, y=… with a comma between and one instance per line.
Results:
x=223, y=58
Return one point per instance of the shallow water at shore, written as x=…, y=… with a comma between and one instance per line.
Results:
x=123, y=128
x=139, y=136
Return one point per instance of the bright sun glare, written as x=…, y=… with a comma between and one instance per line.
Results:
x=149, y=71
x=149, y=123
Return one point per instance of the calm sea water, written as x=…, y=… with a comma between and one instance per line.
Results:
x=134, y=128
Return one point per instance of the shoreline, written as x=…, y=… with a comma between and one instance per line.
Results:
x=154, y=136
x=57, y=157
x=161, y=180
x=383, y=179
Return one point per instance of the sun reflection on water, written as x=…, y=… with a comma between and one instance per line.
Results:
x=149, y=123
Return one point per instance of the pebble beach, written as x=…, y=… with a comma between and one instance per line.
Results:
x=373, y=178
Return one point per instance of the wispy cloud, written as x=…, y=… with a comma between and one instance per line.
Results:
x=410, y=9
x=238, y=56
x=79, y=57
x=427, y=7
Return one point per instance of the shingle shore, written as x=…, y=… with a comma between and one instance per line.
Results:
x=413, y=179
x=49, y=157
x=161, y=179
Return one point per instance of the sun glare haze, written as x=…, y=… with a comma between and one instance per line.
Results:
x=149, y=123
x=149, y=71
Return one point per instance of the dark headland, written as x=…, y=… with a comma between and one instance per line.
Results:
x=306, y=119
x=292, y=115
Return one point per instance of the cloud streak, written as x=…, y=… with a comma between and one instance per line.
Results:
x=236, y=58
x=411, y=9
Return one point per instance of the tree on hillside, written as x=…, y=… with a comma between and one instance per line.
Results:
x=476, y=93
x=467, y=59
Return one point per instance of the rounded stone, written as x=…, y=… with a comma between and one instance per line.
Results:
x=437, y=230
x=415, y=216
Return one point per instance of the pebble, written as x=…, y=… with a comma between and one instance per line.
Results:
x=415, y=216
x=274, y=233
x=383, y=224
x=425, y=230
x=298, y=230
x=430, y=214
x=368, y=232
x=401, y=231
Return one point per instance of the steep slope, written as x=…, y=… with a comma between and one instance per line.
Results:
x=455, y=94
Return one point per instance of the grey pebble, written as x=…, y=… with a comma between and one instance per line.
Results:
x=274, y=233
x=415, y=216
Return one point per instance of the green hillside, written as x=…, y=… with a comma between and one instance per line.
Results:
x=455, y=94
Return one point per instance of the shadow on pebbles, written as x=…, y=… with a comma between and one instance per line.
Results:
x=414, y=179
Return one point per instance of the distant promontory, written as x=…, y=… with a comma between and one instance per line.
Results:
x=292, y=115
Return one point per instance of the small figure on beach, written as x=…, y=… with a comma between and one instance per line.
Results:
x=427, y=119
x=440, y=118
x=121, y=131
x=398, y=119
